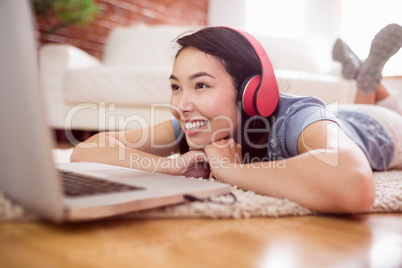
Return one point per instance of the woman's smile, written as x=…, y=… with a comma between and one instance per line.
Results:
x=194, y=125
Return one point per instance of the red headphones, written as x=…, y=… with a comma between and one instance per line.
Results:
x=260, y=92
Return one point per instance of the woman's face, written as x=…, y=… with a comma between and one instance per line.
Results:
x=203, y=98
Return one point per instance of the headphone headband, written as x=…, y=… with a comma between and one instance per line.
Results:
x=260, y=93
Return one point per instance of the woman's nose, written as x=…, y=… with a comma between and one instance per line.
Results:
x=185, y=103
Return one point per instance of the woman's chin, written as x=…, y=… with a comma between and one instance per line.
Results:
x=197, y=145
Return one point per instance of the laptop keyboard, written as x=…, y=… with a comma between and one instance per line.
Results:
x=77, y=185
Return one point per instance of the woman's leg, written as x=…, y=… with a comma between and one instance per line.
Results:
x=389, y=101
x=380, y=94
x=368, y=74
x=380, y=97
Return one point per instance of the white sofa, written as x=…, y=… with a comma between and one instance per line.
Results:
x=129, y=87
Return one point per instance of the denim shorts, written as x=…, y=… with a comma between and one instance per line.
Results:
x=391, y=122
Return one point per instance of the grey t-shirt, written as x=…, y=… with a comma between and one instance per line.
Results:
x=294, y=113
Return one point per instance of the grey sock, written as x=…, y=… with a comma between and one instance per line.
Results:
x=385, y=44
x=350, y=62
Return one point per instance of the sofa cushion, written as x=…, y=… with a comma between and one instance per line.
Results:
x=306, y=54
x=329, y=88
x=142, y=45
x=129, y=85
x=136, y=86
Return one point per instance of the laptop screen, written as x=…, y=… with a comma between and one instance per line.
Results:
x=26, y=167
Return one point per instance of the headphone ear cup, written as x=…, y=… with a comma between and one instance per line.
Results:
x=259, y=94
x=249, y=90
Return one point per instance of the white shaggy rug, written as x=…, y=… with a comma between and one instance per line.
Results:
x=388, y=199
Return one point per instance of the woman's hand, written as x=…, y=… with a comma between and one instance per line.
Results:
x=221, y=154
x=190, y=164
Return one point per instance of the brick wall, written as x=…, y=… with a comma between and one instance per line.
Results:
x=91, y=38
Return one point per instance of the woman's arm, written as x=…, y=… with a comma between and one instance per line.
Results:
x=144, y=149
x=330, y=174
x=138, y=148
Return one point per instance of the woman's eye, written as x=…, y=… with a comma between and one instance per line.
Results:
x=200, y=85
x=175, y=87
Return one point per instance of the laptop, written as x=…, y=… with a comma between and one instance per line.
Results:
x=28, y=174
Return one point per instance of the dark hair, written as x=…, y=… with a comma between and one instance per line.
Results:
x=240, y=61
x=227, y=46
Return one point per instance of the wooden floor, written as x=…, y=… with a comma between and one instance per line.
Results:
x=367, y=240
x=371, y=240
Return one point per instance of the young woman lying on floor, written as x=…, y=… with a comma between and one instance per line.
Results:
x=228, y=128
